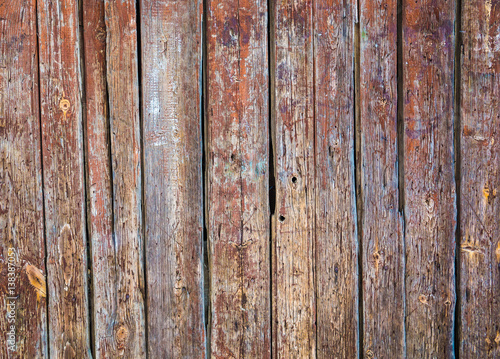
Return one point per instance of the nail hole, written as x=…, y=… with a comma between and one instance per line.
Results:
x=282, y=218
x=294, y=179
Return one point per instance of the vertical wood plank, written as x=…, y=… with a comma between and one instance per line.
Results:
x=430, y=209
x=237, y=165
x=480, y=180
x=171, y=62
x=336, y=234
x=62, y=145
x=129, y=329
x=100, y=208
x=294, y=283
x=381, y=222
x=21, y=199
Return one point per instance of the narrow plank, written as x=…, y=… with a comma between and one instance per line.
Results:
x=100, y=208
x=479, y=330
x=64, y=192
x=171, y=88
x=237, y=178
x=430, y=209
x=21, y=199
x=294, y=321
x=381, y=222
x=336, y=230
x=129, y=329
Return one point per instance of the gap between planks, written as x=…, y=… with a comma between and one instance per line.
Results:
x=457, y=153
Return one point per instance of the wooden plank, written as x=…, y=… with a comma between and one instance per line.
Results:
x=381, y=222
x=100, y=207
x=21, y=198
x=237, y=178
x=336, y=232
x=479, y=330
x=171, y=69
x=64, y=192
x=129, y=329
x=430, y=210
x=293, y=263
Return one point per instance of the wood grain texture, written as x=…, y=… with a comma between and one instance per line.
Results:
x=238, y=174
x=479, y=332
x=336, y=233
x=430, y=208
x=294, y=321
x=171, y=62
x=129, y=329
x=21, y=199
x=99, y=191
x=64, y=191
x=381, y=222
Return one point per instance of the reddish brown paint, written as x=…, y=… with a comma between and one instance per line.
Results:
x=429, y=183
x=99, y=192
x=312, y=236
x=237, y=178
x=64, y=192
x=21, y=201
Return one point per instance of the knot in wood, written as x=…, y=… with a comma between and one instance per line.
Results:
x=121, y=336
x=64, y=105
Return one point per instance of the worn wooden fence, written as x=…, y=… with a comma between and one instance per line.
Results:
x=250, y=179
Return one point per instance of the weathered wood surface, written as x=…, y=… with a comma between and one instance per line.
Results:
x=237, y=178
x=128, y=327
x=21, y=199
x=479, y=331
x=381, y=223
x=358, y=255
x=99, y=191
x=63, y=167
x=294, y=321
x=429, y=207
x=336, y=234
x=171, y=67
